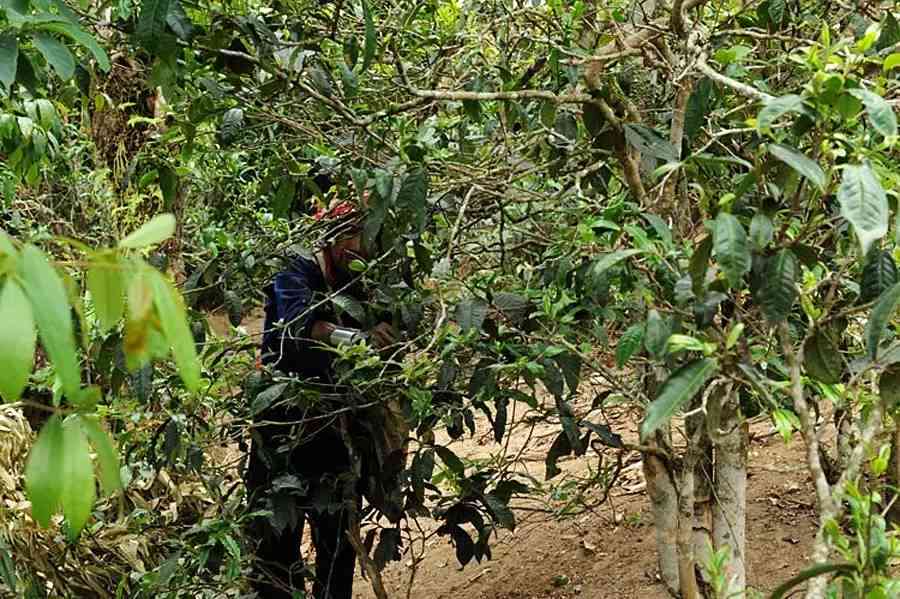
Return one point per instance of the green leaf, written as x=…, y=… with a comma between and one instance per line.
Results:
x=629, y=343
x=800, y=163
x=370, y=44
x=231, y=126
x=351, y=306
x=470, y=314
x=174, y=323
x=501, y=511
x=698, y=107
x=889, y=388
x=699, y=264
x=284, y=197
x=107, y=456
x=17, y=340
x=609, y=260
x=776, y=108
x=881, y=314
x=863, y=204
x=451, y=460
x=656, y=335
x=762, y=230
x=168, y=185
x=156, y=231
x=43, y=483
x=890, y=33
x=822, y=358
x=83, y=38
x=50, y=306
x=678, y=390
x=179, y=22
x=107, y=286
x=881, y=114
x=77, y=474
x=413, y=196
x=891, y=62
x=780, y=289
x=57, y=55
x=151, y=24
x=650, y=142
x=879, y=274
x=9, y=59
x=732, y=250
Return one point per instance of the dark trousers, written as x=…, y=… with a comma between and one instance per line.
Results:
x=321, y=461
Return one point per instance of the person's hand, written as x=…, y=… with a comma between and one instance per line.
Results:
x=383, y=335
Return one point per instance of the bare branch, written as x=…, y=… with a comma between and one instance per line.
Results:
x=741, y=88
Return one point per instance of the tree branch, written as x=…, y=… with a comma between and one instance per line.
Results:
x=741, y=88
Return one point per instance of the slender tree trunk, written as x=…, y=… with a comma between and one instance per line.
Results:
x=664, y=503
x=687, y=573
x=703, y=500
x=730, y=509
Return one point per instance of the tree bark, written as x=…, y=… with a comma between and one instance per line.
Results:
x=730, y=508
x=664, y=504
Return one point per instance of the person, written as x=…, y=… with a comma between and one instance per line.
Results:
x=300, y=462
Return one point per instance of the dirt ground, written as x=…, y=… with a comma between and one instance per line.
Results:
x=609, y=552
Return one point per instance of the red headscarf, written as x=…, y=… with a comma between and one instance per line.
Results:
x=336, y=211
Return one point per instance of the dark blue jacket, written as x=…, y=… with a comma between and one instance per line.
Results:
x=289, y=300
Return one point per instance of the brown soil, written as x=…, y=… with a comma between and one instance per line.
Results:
x=609, y=553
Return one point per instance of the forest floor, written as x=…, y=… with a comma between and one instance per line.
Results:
x=607, y=552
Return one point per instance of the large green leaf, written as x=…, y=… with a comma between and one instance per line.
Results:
x=699, y=264
x=83, y=38
x=151, y=25
x=179, y=22
x=677, y=391
x=107, y=456
x=800, y=163
x=609, y=260
x=50, y=306
x=776, y=108
x=651, y=142
x=881, y=314
x=822, y=359
x=155, y=231
x=629, y=343
x=879, y=274
x=284, y=196
x=863, y=204
x=881, y=114
x=77, y=473
x=17, y=340
x=370, y=44
x=732, y=250
x=174, y=323
x=9, y=59
x=43, y=483
x=57, y=55
x=780, y=289
x=762, y=231
x=698, y=107
x=656, y=334
x=890, y=33
x=413, y=196
x=106, y=283
x=231, y=126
